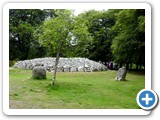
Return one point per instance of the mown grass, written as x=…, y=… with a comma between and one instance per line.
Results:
x=88, y=90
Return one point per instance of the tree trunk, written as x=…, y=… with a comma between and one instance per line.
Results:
x=140, y=66
x=120, y=64
x=56, y=63
x=127, y=66
x=137, y=66
x=130, y=66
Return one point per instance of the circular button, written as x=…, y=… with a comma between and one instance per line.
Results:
x=147, y=99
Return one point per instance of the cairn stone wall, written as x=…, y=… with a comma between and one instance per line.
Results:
x=64, y=65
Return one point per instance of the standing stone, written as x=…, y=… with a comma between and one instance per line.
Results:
x=39, y=72
x=121, y=74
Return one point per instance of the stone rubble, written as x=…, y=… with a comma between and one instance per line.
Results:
x=64, y=65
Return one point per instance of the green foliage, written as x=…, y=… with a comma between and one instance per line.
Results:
x=11, y=63
x=98, y=24
x=56, y=30
x=113, y=35
x=81, y=37
x=67, y=29
x=141, y=23
x=22, y=24
x=21, y=35
x=128, y=44
x=79, y=90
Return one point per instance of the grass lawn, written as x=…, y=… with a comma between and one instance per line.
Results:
x=90, y=90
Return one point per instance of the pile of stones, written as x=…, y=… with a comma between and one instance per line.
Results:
x=64, y=65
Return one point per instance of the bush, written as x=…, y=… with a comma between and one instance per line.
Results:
x=11, y=63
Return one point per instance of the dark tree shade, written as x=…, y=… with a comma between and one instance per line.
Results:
x=22, y=23
x=128, y=45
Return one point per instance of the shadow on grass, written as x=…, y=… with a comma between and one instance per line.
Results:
x=40, y=79
x=122, y=80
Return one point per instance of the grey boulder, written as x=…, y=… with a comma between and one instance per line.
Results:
x=39, y=72
x=121, y=74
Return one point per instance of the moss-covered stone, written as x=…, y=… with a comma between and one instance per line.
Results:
x=39, y=72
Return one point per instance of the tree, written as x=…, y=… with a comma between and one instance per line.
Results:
x=22, y=23
x=61, y=33
x=100, y=28
x=81, y=37
x=99, y=24
x=55, y=33
x=128, y=45
x=20, y=40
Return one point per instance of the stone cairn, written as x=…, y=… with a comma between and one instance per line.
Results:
x=64, y=65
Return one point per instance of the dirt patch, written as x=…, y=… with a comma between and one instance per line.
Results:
x=13, y=104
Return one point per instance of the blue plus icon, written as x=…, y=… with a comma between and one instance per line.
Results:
x=147, y=99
